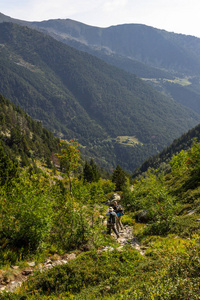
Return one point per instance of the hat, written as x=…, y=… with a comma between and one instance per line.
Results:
x=111, y=209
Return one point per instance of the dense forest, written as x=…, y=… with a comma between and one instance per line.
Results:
x=22, y=138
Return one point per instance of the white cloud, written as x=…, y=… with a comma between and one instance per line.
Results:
x=111, y=5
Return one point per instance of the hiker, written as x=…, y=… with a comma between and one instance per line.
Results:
x=119, y=212
x=111, y=222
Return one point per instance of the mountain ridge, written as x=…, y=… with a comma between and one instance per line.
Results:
x=154, y=54
x=86, y=98
x=133, y=38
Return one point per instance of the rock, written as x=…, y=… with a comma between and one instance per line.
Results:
x=142, y=216
x=115, y=197
x=57, y=263
x=71, y=256
x=39, y=267
x=122, y=240
x=26, y=272
x=108, y=248
x=64, y=261
x=48, y=262
x=15, y=267
x=191, y=212
x=120, y=249
x=31, y=264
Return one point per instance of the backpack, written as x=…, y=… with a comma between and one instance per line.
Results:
x=119, y=211
x=112, y=218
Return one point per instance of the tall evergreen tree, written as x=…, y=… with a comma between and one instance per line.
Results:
x=95, y=172
x=8, y=169
x=119, y=178
x=90, y=172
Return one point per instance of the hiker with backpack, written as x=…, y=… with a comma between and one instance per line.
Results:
x=111, y=222
x=119, y=212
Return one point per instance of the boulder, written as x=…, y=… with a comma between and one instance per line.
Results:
x=142, y=216
x=114, y=197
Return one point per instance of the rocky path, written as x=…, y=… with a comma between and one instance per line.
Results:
x=126, y=237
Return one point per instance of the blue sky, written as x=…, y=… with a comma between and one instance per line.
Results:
x=179, y=16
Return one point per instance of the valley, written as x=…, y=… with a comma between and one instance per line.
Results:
x=76, y=95
x=90, y=115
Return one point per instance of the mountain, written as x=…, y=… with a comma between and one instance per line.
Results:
x=168, y=61
x=22, y=138
x=154, y=47
x=118, y=118
x=162, y=159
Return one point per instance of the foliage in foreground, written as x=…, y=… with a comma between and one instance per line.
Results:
x=170, y=201
x=170, y=236
x=164, y=273
x=37, y=212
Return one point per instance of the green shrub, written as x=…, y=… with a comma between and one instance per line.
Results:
x=88, y=270
x=185, y=226
x=158, y=228
x=26, y=215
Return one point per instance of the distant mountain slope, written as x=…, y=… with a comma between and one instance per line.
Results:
x=158, y=48
x=142, y=50
x=23, y=138
x=77, y=95
x=162, y=159
x=154, y=47
x=150, y=53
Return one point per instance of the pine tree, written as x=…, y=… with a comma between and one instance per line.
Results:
x=90, y=172
x=96, y=174
x=8, y=169
x=119, y=178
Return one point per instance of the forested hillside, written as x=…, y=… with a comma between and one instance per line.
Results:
x=116, y=117
x=165, y=50
x=162, y=159
x=23, y=139
x=168, y=61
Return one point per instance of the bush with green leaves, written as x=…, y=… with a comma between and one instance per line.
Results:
x=178, y=278
x=26, y=213
x=169, y=270
x=38, y=211
x=91, y=269
x=70, y=228
x=9, y=170
x=150, y=194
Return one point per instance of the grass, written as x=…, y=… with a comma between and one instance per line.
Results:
x=181, y=81
x=128, y=140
